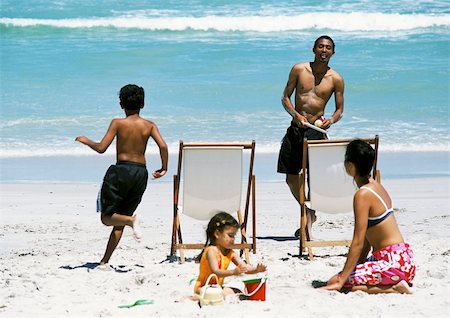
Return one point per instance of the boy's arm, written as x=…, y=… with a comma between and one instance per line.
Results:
x=101, y=146
x=163, y=152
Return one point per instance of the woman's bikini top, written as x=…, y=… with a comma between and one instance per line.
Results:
x=377, y=219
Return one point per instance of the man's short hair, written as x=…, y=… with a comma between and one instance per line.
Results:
x=131, y=97
x=326, y=37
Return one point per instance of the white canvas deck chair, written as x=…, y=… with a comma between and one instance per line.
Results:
x=331, y=190
x=212, y=182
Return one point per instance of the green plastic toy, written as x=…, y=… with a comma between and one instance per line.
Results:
x=137, y=303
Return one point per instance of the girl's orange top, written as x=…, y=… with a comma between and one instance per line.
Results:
x=223, y=261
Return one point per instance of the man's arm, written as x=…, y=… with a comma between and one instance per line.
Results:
x=163, y=152
x=339, y=102
x=101, y=146
x=286, y=98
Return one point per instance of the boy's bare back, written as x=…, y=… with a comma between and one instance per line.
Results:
x=132, y=134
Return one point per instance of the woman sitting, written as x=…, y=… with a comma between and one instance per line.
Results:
x=391, y=267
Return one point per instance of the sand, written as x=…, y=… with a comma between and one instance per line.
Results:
x=52, y=239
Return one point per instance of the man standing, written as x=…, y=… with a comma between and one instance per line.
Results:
x=313, y=83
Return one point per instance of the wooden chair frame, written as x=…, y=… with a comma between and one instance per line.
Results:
x=305, y=242
x=244, y=246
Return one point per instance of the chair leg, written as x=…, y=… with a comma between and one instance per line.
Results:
x=244, y=236
x=310, y=253
x=182, y=258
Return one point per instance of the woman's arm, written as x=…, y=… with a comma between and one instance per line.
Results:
x=361, y=211
x=365, y=251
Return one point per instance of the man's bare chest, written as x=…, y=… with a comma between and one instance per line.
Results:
x=310, y=86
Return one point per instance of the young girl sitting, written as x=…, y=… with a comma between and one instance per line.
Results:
x=217, y=255
x=391, y=267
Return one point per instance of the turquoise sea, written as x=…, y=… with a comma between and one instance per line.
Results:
x=215, y=71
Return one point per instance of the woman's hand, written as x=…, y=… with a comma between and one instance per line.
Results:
x=334, y=283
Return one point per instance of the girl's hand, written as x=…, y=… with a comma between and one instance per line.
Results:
x=261, y=268
x=237, y=271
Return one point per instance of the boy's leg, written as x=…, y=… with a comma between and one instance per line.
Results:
x=121, y=220
x=116, y=219
x=114, y=239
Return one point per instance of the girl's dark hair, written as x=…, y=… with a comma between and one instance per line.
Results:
x=131, y=97
x=362, y=155
x=217, y=222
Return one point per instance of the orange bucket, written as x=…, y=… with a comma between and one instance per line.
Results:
x=256, y=288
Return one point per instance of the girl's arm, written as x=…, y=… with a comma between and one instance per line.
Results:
x=246, y=268
x=101, y=146
x=212, y=262
x=361, y=211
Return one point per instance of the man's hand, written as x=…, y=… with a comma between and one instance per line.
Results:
x=299, y=120
x=327, y=123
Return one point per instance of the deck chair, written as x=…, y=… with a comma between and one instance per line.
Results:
x=330, y=189
x=212, y=182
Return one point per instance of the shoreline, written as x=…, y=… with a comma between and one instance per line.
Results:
x=91, y=169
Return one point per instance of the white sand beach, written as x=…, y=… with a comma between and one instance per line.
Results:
x=51, y=240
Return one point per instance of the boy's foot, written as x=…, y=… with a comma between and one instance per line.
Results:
x=402, y=287
x=137, y=234
x=104, y=267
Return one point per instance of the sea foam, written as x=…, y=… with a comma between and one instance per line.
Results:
x=355, y=21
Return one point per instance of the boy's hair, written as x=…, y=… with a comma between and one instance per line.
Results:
x=362, y=155
x=131, y=97
x=217, y=222
x=326, y=37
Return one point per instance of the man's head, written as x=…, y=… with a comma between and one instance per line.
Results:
x=131, y=97
x=324, y=37
x=323, y=49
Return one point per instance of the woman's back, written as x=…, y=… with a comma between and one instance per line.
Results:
x=382, y=229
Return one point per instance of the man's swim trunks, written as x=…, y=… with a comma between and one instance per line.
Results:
x=386, y=266
x=291, y=151
x=123, y=186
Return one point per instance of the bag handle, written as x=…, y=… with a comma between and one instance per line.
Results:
x=207, y=283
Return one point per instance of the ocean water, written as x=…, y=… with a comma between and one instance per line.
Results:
x=215, y=71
